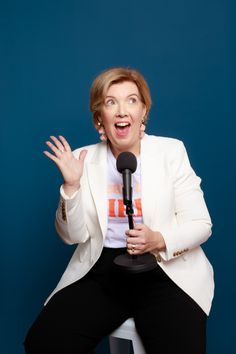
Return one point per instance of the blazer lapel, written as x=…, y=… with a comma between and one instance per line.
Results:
x=97, y=177
x=151, y=181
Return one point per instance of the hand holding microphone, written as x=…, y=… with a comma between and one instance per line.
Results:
x=142, y=239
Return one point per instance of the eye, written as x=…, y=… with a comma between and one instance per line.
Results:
x=132, y=100
x=109, y=102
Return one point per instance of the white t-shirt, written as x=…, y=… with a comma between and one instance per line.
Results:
x=117, y=218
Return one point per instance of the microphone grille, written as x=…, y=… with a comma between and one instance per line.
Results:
x=126, y=160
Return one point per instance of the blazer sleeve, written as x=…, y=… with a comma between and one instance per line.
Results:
x=70, y=220
x=193, y=222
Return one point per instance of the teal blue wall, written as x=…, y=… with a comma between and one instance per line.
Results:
x=51, y=51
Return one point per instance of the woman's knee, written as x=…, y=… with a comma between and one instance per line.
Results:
x=37, y=341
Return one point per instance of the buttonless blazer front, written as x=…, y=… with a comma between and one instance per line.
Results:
x=172, y=203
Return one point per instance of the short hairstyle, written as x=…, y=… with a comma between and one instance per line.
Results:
x=103, y=82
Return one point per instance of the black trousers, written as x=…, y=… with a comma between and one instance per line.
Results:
x=80, y=315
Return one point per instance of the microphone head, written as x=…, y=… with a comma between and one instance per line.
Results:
x=126, y=161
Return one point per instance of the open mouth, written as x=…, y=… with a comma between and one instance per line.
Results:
x=122, y=125
x=122, y=128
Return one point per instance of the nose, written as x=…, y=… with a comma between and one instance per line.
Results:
x=121, y=110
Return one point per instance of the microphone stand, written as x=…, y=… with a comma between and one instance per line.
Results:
x=135, y=263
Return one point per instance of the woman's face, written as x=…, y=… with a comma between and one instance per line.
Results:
x=121, y=114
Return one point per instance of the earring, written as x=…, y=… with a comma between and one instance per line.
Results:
x=101, y=131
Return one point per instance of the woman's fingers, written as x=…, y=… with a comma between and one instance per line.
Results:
x=51, y=156
x=137, y=239
x=82, y=155
x=134, y=244
x=58, y=144
x=54, y=158
x=58, y=152
x=135, y=248
x=55, y=149
x=65, y=143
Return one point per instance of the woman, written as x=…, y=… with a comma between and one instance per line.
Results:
x=169, y=303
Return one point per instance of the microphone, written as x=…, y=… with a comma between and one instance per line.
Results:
x=126, y=164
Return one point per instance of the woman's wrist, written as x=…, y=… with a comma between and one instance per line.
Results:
x=70, y=189
x=161, y=245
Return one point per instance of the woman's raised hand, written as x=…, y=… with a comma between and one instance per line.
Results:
x=70, y=167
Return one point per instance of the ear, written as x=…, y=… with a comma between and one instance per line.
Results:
x=144, y=113
x=142, y=130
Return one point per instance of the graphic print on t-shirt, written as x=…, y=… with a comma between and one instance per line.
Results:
x=116, y=207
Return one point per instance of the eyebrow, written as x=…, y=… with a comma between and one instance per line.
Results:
x=131, y=94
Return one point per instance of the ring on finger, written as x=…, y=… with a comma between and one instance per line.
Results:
x=61, y=150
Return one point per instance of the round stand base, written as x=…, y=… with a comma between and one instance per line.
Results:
x=136, y=264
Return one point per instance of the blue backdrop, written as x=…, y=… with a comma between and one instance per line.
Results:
x=51, y=51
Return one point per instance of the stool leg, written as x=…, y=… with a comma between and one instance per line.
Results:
x=119, y=345
x=138, y=345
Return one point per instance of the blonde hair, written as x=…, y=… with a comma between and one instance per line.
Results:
x=112, y=76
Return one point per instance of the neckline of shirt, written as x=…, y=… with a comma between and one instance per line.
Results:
x=112, y=158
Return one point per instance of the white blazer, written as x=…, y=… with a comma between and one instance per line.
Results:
x=172, y=203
